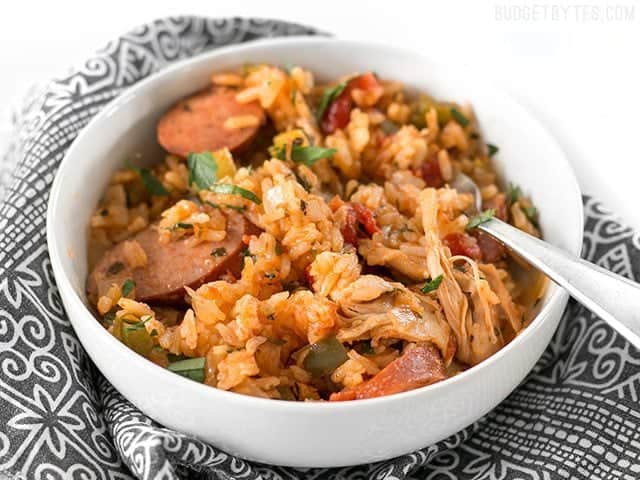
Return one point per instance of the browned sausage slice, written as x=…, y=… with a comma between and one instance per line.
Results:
x=417, y=367
x=196, y=124
x=171, y=266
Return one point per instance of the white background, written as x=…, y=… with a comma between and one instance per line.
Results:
x=575, y=64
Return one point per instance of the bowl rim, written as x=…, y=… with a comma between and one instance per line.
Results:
x=144, y=365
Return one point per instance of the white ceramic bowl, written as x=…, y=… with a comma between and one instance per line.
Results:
x=308, y=434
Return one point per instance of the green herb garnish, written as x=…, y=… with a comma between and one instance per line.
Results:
x=247, y=253
x=227, y=188
x=109, y=317
x=481, y=218
x=150, y=182
x=135, y=336
x=219, y=252
x=531, y=213
x=328, y=96
x=134, y=327
x=513, y=193
x=127, y=287
x=306, y=155
x=239, y=208
x=192, y=368
x=203, y=170
x=182, y=225
x=459, y=117
x=432, y=284
x=492, y=149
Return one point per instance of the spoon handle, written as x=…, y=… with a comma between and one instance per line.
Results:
x=610, y=296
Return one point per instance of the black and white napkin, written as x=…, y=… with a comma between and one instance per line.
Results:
x=577, y=414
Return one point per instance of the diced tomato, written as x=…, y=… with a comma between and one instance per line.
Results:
x=307, y=276
x=366, y=81
x=366, y=218
x=350, y=228
x=357, y=214
x=430, y=173
x=337, y=114
x=463, y=244
x=491, y=249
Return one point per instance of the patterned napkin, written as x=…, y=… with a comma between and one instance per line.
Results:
x=576, y=416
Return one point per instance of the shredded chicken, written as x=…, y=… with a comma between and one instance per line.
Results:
x=454, y=302
x=374, y=308
x=469, y=296
x=512, y=311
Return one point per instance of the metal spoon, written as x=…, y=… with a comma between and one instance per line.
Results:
x=613, y=298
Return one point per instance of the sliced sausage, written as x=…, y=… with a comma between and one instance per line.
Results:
x=196, y=124
x=171, y=266
x=417, y=367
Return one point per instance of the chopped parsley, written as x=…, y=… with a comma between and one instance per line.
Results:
x=432, y=285
x=247, y=253
x=513, y=193
x=531, y=213
x=109, y=317
x=192, y=368
x=182, y=225
x=459, y=117
x=219, y=252
x=227, y=188
x=481, y=218
x=328, y=96
x=306, y=155
x=127, y=287
x=239, y=208
x=150, y=182
x=134, y=327
x=492, y=149
x=203, y=170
